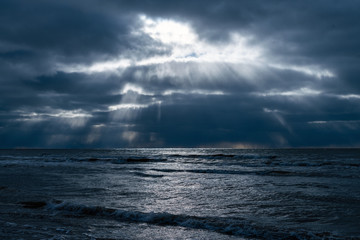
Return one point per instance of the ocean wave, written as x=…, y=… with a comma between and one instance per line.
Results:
x=230, y=226
x=140, y=174
x=217, y=156
x=119, y=160
x=312, y=164
x=144, y=160
x=214, y=171
x=271, y=172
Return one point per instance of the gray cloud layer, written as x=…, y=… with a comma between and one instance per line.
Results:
x=302, y=90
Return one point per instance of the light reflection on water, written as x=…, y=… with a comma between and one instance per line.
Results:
x=205, y=191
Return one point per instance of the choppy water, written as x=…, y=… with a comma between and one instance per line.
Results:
x=180, y=194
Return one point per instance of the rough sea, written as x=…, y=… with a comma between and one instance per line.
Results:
x=180, y=194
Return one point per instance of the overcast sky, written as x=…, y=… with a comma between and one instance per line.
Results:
x=112, y=73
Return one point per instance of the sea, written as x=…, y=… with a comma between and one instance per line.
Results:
x=180, y=193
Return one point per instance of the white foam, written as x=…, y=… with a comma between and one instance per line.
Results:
x=235, y=227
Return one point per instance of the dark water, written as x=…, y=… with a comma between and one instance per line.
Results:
x=180, y=194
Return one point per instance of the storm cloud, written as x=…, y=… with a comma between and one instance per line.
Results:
x=112, y=73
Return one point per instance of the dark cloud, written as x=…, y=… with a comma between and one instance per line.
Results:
x=61, y=28
x=302, y=90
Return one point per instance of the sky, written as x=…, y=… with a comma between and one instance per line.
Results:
x=240, y=74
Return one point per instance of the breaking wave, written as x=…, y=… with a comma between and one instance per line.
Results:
x=230, y=226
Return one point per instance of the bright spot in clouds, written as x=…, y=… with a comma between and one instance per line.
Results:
x=135, y=89
x=199, y=92
x=309, y=70
x=108, y=66
x=168, y=31
x=74, y=118
x=349, y=96
x=298, y=93
x=187, y=46
x=127, y=106
x=58, y=114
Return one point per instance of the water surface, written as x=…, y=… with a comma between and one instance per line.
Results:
x=180, y=194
